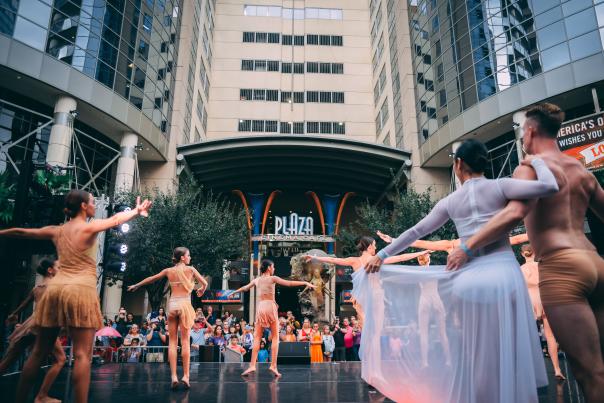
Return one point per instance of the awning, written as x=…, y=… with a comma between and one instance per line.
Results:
x=289, y=162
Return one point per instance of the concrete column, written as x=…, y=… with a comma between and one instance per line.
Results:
x=454, y=148
x=112, y=298
x=519, y=118
x=126, y=164
x=59, y=142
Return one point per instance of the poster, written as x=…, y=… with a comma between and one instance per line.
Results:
x=583, y=139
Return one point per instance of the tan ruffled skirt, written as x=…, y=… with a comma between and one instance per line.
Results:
x=267, y=313
x=181, y=307
x=69, y=305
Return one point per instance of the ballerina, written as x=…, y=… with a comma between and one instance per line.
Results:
x=181, y=314
x=366, y=247
x=530, y=270
x=24, y=336
x=71, y=299
x=496, y=356
x=266, y=312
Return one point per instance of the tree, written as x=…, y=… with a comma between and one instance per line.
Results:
x=407, y=209
x=209, y=226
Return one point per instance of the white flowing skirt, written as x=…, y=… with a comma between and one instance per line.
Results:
x=435, y=336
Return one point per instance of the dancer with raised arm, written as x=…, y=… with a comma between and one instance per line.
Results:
x=181, y=314
x=266, y=312
x=571, y=273
x=24, y=336
x=530, y=271
x=496, y=354
x=71, y=300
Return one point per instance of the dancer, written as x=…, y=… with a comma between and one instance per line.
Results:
x=366, y=249
x=530, y=271
x=571, y=272
x=266, y=313
x=71, y=300
x=24, y=336
x=181, y=314
x=496, y=355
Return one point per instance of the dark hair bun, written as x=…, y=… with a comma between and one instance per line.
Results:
x=73, y=202
x=44, y=265
x=474, y=153
x=266, y=263
x=363, y=243
x=179, y=253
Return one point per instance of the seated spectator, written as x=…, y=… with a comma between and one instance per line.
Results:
x=198, y=338
x=218, y=338
x=263, y=352
x=289, y=334
x=304, y=333
x=133, y=353
x=234, y=345
x=134, y=334
x=329, y=344
x=155, y=338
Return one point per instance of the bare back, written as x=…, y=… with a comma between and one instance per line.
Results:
x=556, y=222
x=265, y=285
x=176, y=284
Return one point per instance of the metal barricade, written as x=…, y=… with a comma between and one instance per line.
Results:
x=134, y=354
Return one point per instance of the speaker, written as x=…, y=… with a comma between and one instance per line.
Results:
x=294, y=353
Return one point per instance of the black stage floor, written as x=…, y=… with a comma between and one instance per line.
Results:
x=214, y=382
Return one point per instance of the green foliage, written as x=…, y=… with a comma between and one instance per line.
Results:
x=7, y=197
x=209, y=226
x=51, y=182
x=406, y=210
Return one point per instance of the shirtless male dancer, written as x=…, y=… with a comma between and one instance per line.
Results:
x=571, y=271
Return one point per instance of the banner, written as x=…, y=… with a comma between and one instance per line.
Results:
x=346, y=297
x=221, y=297
x=583, y=139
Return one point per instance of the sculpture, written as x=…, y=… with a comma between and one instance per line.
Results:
x=312, y=302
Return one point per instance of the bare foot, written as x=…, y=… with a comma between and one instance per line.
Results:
x=174, y=384
x=559, y=376
x=248, y=371
x=46, y=399
x=185, y=382
x=275, y=372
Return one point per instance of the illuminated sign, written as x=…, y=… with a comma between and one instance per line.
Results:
x=293, y=225
x=346, y=297
x=221, y=297
x=583, y=139
x=293, y=238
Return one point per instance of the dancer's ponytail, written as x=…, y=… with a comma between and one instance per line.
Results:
x=266, y=263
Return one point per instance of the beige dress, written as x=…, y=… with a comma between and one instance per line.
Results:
x=181, y=306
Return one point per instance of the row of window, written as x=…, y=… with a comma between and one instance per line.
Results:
x=261, y=94
x=286, y=67
x=296, y=40
x=274, y=126
x=307, y=13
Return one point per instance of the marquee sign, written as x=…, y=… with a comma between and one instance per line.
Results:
x=221, y=297
x=294, y=225
x=293, y=238
x=583, y=139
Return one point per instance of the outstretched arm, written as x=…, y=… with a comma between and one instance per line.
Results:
x=443, y=246
x=148, y=280
x=246, y=287
x=405, y=257
x=293, y=283
x=522, y=189
x=200, y=280
x=96, y=226
x=47, y=232
x=14, y=317
x=349, y=261
x=519, y=239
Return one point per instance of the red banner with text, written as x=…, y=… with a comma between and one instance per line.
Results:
x=583, y=139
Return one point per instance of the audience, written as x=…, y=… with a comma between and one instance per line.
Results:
x=328, y=344
x=263, y=352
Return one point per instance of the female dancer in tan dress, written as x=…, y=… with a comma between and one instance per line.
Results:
x=366, y=248
x=24, y=336
x=71, y=300
x=181, y=314
x=266, y=312
x=530, y=270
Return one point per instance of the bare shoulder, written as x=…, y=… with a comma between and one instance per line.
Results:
x=524, y=172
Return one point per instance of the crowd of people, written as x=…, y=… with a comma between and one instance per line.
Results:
x=146, y=340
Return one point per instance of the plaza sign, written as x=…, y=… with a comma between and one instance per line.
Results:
x=293, y=238
x=293, y=225
x=583, y=139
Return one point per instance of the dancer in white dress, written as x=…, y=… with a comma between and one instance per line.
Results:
x=494, y=349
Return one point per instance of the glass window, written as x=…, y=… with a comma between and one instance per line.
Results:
x=337, y=68
x=325, y=68
x=325, y=127
x=312, y=96
x=143, y=49
x=8, y=22
x=312, y=39
x=286, y=39
x=339, y=128
x=270, y=126
x=299, y=40
x=286, y=127
x=299, y=68
x=274, y=37
x=261, y=37
x=247, y=65
x=312, y=127
x=298, y=97
x=34, y=11
x=286, y=68
x=324, y=14
x=257, y=125
x=338, y=97
x=249, y=10
x=272, y=65
x=600, y=14
x=554, y=57
x=274, y=11
x=260, y=65
x=245, y=125
x=262, y=11
x=548, y=17
x=286, y=96
x=298, y=127
x=325, y=40
x=248, y=37
x=572, y=6
x=148, y=23
x=312, y=13
x=312, y=67
x=298, y=14
x=336, y=14
x=259, y=95
x=272, y=95
x=30, y=33
x=336, y=40
x=580, y=23
x=585, y=45
x=551, y=35
x=325, y=97
x=287, y=13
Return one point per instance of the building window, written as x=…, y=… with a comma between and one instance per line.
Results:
x=299, y=68
x=272, y=65
x=161, y=74
x=336, y=40
x=325, y=40
x=298, y=127
x=261, y=37
x=312, y=127
x=286, y=96
x=245, y=94
x=274, y=37
x=299, y=40
x=270, y=126
x=338, y=97
x=326, y=127
x=325, y=68
x=312, y=67
x=248, y=37
x=312, y=39
x=337, y=68
x=286, y=127
x=247, y=65
x=298, y=97
x=339, y=128
x=286, y=39
x=272, y=95
x=257, y=126
x=245, y=125
x=325, y=97
x=259, y=95
x=286, y=68
x=312, y=96
x=260, y=65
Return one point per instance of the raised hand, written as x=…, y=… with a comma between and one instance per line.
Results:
x=373, y=266
x=384, y=237
x=143, y=208
x=528, y=159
